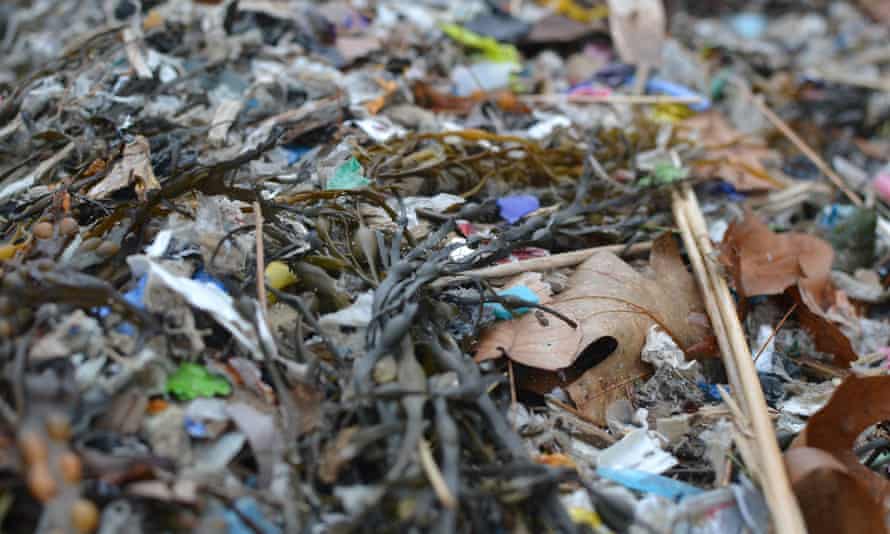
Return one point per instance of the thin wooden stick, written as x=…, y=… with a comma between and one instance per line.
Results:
x=260, y=260
x=708, y=291
x=556, y=261
x=513, y=397
x=801, y=145
x=613, y=99
x=775, y=331
x=786, y=514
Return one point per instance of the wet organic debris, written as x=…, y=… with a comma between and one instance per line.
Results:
x=245, y=253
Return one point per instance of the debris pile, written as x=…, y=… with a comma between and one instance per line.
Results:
x=278, y=266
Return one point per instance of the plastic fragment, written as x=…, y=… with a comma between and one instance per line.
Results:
x=515, y=207
x=638, y=450
x=522, y=292
x=192, y=380
x=248, y=507
x=348, y=176
x=490, y=49
x=649, y=483
x=279, y=275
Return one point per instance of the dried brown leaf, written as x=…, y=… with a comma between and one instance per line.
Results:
x=827, y=336
x=858, y=403
x=730, y=155
x=769, y=263
x=134, y=168
x=762, y=262
x=831, y=499
x=614, y=306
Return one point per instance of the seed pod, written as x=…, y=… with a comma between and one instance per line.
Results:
x=43, y=230
x=13, y=281
x=33, y=447
x=58, y=426
x=84, y=516
x=68, y=226
x=6, y=306
x=41, y=483
x=71, y=467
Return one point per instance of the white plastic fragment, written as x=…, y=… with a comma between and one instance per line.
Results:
x=357, y=315
x=660, y=349
x=547, y=123
x=640, y=450
x=380, y=129
x=204, y=296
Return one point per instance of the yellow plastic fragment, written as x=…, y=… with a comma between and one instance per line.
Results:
x=587, y=517
x=671, y=113
x=490, y=48
x=279, y=276
x=7, y=252
x=578, y=12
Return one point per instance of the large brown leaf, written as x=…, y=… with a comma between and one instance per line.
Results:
x=614, y=306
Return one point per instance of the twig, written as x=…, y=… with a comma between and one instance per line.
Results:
x=512, y=378
x=786, y=514
x=613, y=99
x=260, y=260
x=775, y=331
x=801, y=145
x=556, y=261
x=435, y=475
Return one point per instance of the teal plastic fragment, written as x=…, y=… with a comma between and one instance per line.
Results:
x=649, y=483
x=521, y=292
x=348, y=176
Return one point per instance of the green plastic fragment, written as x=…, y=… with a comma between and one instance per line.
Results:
x=191, y=381
x=665, y=173
x=348, y=176
x=490, y=48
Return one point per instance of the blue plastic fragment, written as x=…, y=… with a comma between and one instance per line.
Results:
x=522, y=292
x=515, y=207
x=248, y=507
x=195, y=429
x=136, y=296
x=833, y=214
x=710, y=390
x=203, y=276
x=649, y=483
x=295, y=153
x=721, y=187
x=749, y=25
